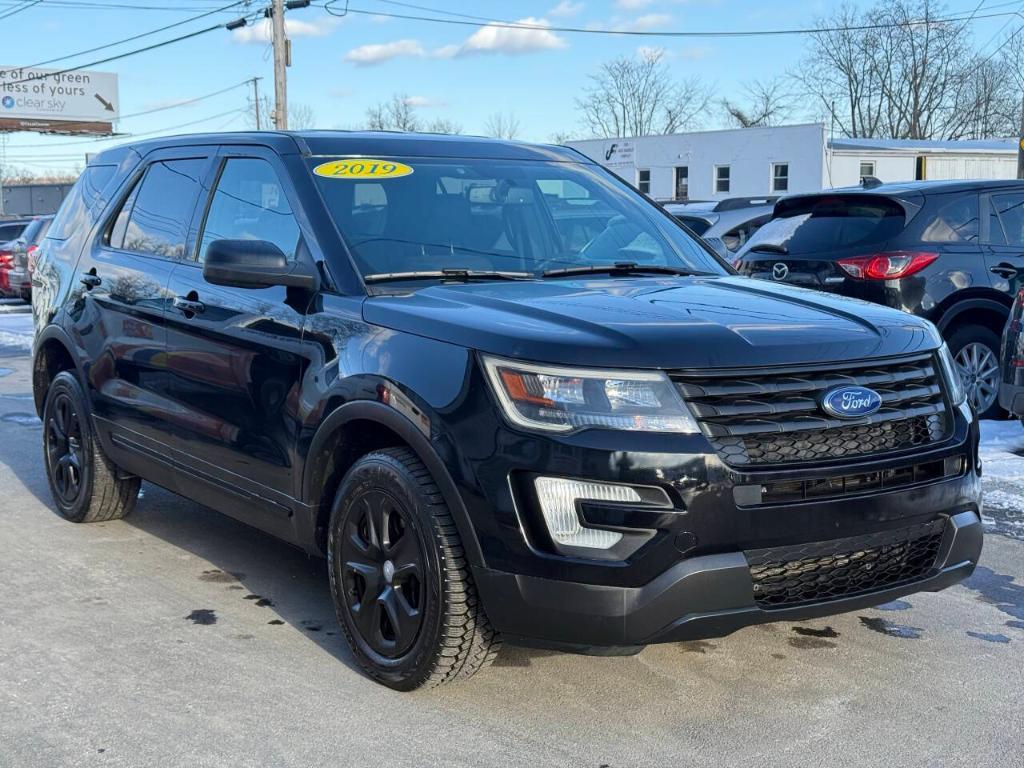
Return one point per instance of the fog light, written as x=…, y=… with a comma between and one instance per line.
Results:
x=558, y=497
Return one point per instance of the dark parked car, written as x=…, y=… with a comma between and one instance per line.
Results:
x=23, y=251
x=10, y=230
x=1011, y=393
x=725, y=225
x=949, y=251
x=396, y=352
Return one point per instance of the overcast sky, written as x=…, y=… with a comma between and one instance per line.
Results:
x=341, y=66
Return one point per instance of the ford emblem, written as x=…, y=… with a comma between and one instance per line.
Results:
x=851, y=402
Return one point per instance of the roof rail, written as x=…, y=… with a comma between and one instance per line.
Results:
x=735, y=203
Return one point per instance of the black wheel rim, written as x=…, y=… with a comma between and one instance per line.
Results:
x=382, y=573
x=64, y=455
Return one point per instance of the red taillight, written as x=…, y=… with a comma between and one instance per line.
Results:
x=31, y=253
x=890, y=265
x=6, y=259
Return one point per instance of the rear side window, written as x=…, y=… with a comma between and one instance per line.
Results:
x=155, y=218
x=833, y=223
x=1010, y=211
x=73, y=215
x=697, y=226
x=958, y=221
x=249, y=204
x=10, y=231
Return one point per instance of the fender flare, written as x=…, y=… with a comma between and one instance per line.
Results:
x=368, y=410
x=960, y=307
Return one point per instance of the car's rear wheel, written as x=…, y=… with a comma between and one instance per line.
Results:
x=399, y=577
x=86, y=486
x=976, y=351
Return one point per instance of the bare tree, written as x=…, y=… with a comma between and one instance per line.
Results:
x=444, y=125
x=638, y=96
x=301, y=117
x=396, y=114
x=502, y=126
x=768, y=102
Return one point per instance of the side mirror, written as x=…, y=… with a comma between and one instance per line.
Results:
x=255, y=264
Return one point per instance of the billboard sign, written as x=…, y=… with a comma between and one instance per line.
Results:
x=57, y=100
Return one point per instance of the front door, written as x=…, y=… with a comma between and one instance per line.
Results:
x=1005, y=241
x=234, y=354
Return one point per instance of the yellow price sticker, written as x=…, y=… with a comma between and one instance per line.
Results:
x=362, y=168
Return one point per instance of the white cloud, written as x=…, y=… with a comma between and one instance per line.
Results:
x=566, y=9
x=513, y=40
x=632, y=5
x=424, y=102
x=260, y=32
x=695, y=52
x=653, y=51
x=647, y=21
x=378, y=53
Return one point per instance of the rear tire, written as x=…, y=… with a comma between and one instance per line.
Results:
x=83, y=481
x=401, y=584
x=969, y=345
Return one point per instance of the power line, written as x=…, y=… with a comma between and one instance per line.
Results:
x=20, y=8
x=502, y=24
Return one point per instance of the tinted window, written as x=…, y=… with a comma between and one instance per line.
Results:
x=158, y=212
x=824, y=224
x=506, y=215
x=249, y=204
x=74, y=212
x=958, y=221
x=698, y=226
x=1010, y=209
x=10, y=231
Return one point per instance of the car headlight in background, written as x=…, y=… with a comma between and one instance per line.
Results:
x=951, y=374
x=557, y=399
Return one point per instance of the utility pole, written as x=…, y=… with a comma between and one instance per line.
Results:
x=281, y=61
x=256, y=101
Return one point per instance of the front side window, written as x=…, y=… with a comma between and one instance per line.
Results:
x=780, y=177
x=154, y=220
x=502, y=215
x=957, y=221
x=722, y=174
x=249, y=204
x=1010, y=210
x=643, y=181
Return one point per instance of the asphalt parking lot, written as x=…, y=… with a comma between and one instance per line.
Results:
x=181, y=637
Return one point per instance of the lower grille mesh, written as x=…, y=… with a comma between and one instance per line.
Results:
x=818, y=572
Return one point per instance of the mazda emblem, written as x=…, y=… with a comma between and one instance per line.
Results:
x=780, y=271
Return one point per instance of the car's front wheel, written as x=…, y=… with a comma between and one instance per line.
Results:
x=86, y=486
x=400, y=580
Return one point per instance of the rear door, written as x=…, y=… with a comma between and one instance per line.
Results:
x=1005, y=240
x=123, y=287
x=234, y=354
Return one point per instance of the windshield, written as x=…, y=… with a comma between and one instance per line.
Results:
x=429, y=214
x=821, y=225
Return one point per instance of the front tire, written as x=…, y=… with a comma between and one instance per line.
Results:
x=401, y=584
x=84, y=483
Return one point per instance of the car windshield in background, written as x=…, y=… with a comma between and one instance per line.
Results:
x=817, y=225
x=422, y=215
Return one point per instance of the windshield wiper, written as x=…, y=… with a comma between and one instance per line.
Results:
x=770, y=248
x=621, y=268
x=453, y=274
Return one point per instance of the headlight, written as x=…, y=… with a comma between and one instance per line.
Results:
x=951, y=374
x=558, y=399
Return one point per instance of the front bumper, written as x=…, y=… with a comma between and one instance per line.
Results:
x=700, y=597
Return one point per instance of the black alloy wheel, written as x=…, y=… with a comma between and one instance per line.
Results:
x=65, y=457
x=382, y=573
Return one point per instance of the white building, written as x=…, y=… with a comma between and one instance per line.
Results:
x=751, y=162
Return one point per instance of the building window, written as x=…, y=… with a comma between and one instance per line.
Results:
x=721, y=178
x=682, y=183
x=643, y=181
x=780, y=177
x=867, y=168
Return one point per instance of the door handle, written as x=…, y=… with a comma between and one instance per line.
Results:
x=91, y=280
x=189, y=306
x=1005, y=270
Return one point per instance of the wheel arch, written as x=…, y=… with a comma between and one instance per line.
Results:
x=51, y=355
x=988, y=312
x=350, y=431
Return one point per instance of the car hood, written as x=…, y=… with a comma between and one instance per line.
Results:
x=654, y=322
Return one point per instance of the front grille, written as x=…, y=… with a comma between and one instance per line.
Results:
x=769, y=417
x=818, y=572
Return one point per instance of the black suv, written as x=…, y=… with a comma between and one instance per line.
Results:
x=503, y=394
x=949, y=251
